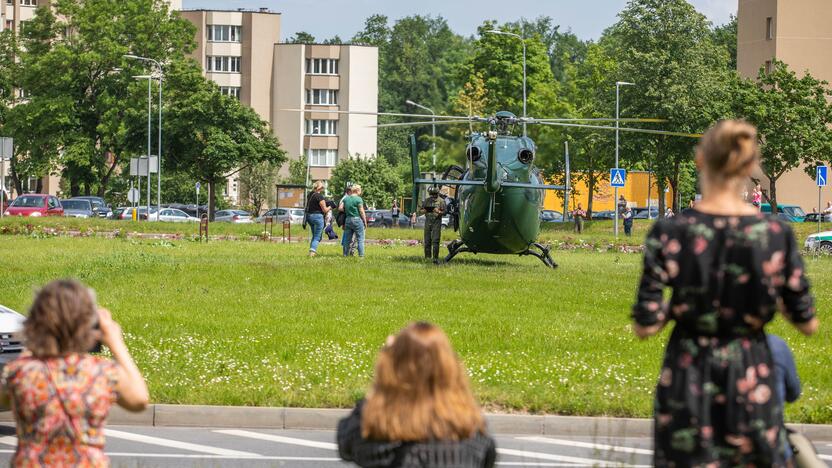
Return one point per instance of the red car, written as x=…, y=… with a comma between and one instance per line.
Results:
x=35, y=205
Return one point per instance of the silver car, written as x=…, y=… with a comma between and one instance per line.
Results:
x=77, y=208
x=279, y=215
x=173, y=215
x=11, y=335
x=233, y=216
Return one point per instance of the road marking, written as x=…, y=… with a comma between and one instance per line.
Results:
x=589, y=445
x=279, y=439
x=563, y=458
x=825, y=457
x=110, y=433
x=9, y=440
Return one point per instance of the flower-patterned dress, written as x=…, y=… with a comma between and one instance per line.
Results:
x=60, y=406
x=715, y=402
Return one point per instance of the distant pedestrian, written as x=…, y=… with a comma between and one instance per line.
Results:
x=828, y=209
x=395, y=212
x=627, y=216
x=341, y=221
x=61, y=394
x=757, y=196
x=729, y=270
x=316, y=210
x=578, y=215
x=668, y=213
x=433, y=207
x=420, y=411
x=356, y=221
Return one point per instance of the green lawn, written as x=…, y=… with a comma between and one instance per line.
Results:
x=254, y=323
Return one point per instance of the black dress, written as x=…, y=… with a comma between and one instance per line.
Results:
x=715, y=400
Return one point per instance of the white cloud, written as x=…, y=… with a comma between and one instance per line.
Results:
x=718, y=11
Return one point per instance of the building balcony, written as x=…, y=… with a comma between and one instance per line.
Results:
x=320, y=142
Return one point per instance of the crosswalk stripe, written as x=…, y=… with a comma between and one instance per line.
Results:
x=9, y=440
x=562, y=458
x=825, y=457
x=589, y=445
x=279, y=439
x=111, y=433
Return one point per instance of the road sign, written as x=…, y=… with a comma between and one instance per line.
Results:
x=618, y=177
x=820, y=175
x=133, y=195
x=198, y=185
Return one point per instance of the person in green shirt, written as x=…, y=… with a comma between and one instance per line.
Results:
x=356, y=222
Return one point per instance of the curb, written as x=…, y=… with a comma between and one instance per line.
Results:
x=327, y=419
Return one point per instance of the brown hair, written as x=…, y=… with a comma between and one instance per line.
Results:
x=61, y=320
x=421, y=391
x=729, y=149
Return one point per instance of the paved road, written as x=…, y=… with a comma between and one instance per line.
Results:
x=136, y=446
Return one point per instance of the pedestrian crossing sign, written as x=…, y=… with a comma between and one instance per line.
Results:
x=618, y=177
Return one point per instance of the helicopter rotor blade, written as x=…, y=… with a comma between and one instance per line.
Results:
x=417, y=124
x=624, y=129
x=604, y=119
x=387, y=114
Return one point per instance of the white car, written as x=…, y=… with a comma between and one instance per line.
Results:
x=11, y=335
x=233, y=216
x=278, y=215
x=173, y=215
x=820, y=240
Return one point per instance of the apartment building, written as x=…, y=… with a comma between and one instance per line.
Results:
x=241, y=52
x=799, y=33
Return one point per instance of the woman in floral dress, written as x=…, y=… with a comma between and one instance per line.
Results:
x=729, y=269
x=60, y=394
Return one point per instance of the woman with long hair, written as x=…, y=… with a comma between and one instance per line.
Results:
x=60, y=394
x=730, y=269
x=420, y=410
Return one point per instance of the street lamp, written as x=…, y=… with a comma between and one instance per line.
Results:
x=618, y=85
x=433, y=127
x=159, y=155
x=149, y=79
x=523, y=41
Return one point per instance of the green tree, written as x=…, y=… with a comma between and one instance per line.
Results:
x=297, y=171
x=258, y=183
x=378, y=179
x=301, y=37
x=725, y=35
x=792, y=116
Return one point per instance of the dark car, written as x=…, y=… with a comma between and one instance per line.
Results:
x=609, y=214
x=813, y=218
x=99, y=206
x=551, y=216
x=78, y=208
x=384, y=219
x=642, y=213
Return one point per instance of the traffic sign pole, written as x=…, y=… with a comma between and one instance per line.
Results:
x=821, y=173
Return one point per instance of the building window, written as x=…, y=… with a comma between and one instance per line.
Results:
x=321, y=127
x=28, y=2
x=224, y=33
x=322, y=157
x=9, y=24
x=327, y=97
x=322, y=66
x=220, y=63
x=769, y=28
x=768, y=67
x=233, y=91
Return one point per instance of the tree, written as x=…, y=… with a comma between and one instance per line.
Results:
x=726, y=36
x=211, y=136
x=258, y=184
x=792, y=116
x=681, y=75
x=379, y=181
x=298, y=170
x=301, y=37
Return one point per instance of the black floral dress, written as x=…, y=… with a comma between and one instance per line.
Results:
x=715, y=402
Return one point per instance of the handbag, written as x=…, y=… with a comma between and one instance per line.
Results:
x=805, y=454
x=330, y=232
x=341, y=219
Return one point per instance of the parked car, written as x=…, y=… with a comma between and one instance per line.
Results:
x=126, y=213
x=551, y=216
x=793, y=213
x=641, y=213
x=233, y=216
x=609, y=214
x=35, y=205
x=384, y=219
x=279, y=215
x=78, y=208
x=420, y=221
x=11, y=335
x=813, y=218
x=820, y=240
x=173, y=215
x=99, y=206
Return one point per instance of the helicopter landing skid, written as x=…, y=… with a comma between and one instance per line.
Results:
x=543, y=254
x=455, y=247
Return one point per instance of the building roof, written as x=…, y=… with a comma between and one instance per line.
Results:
x=349, y=44
x=264, y=11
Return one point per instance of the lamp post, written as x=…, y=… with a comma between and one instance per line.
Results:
x=159, y=155
x=522, y=41
x=149, y=79
x=433, y=127
x=618, y=85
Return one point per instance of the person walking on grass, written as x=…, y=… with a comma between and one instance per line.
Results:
x=60, y=394
x=420, y=410
x=730, y=269
x=627, y=216
x=356, y=221
x=578, y=215
x=316, y=211
x=433, y=207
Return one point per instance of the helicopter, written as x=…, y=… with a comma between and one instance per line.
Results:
x=500, y=192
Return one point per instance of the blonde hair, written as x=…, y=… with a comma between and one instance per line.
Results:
x=317, y=186
x=61, y=320
x=356, y=189
x=421, y=391
x=729, y=149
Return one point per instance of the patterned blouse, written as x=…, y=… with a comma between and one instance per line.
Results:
x=728, y=276
x=60, y=406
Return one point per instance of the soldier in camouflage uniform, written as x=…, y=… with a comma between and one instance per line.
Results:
x=433, y=208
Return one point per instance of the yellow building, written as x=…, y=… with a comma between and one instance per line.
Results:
x=634, y=190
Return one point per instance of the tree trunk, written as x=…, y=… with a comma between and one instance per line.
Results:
x=674, y=184
x=18, y=184
x=211, y=204
x=87, y=191
x=772, y=194
x=591, y=188
x=74, y=185
x=661, y=184
x=39, y=185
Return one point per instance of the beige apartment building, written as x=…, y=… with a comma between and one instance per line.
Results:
x=241, y=52
x=799, y=33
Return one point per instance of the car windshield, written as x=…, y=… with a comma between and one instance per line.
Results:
x=794, y=211
x=76, y=204
x=29, y=202
x=297, y=212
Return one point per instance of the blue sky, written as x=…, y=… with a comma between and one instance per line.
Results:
x=326, y=18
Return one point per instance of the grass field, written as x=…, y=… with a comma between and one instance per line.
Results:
x=255, y=323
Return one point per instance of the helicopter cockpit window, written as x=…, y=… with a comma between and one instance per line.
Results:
x=525, y=156
x=473, y=153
